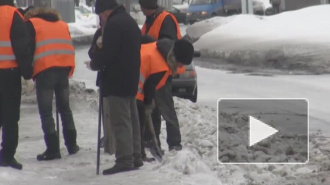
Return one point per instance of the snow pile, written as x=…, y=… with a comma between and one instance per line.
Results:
x=290, y=40
x=198, y=29
x=195, y=164
x=199, y=133
x=85, y=25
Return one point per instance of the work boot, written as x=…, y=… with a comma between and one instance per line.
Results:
x=70, y=138
x=47, y=156
x=117, y=169
x=175, y=147
x=137, y=160
x=52, y=151
x=12, y=163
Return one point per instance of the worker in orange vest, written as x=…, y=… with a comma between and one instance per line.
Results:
x=161, y=24
x=158, y=60
x=14, y=62
x=53, y=64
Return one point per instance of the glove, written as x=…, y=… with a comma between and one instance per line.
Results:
x=99, y=42
x=88, y=65
x=28, y=86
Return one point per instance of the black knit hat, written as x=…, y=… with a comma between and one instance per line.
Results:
x=149, y=4
x=183, y=51
x=103, y=5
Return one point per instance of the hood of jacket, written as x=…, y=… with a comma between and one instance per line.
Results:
x=47, y=14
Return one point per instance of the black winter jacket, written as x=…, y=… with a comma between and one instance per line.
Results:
x=120, y=55
x=19, y=41
x=168, y=28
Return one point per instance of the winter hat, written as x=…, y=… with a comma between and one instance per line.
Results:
x=103, y=5
x=149, y=4
x=183, y=51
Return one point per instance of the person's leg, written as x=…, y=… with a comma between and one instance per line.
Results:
x=120, y=120
x=165, y=102
x=137, y=157
x=63, y=106
x=10, y=100
x=156, y=120
x=109, y=137
x=45, y=84
x=142, y=121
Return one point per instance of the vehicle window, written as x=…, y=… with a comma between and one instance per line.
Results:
x=198, y=2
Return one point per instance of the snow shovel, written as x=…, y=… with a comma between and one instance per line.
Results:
x=156, y=152
x=99, y=131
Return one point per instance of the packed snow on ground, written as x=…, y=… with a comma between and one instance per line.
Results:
x=195, y=164
x=290, y=40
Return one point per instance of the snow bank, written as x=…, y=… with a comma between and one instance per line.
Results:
x=291, y=40
x=195, y=164
x=83, y=29
x=199, y=133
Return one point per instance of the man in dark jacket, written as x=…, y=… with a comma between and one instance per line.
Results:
x=120, y=59
x=155, y=16
x=53, y=65
x=13, y=42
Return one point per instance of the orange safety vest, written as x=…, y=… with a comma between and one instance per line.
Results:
x=151, y=62
x=7, y=56
x=155, y=29
x=157, y=24
x=53, y=46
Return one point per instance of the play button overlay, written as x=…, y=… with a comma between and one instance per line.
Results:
x=263, y=131
x=259, y=130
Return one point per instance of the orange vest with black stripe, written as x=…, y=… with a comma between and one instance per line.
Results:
x=151, y=62
x=155, y=30
x=53, y=46
x=7, y=56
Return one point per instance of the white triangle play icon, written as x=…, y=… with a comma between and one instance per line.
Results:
x=259, y=130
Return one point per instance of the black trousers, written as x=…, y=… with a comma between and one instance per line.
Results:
x=165, y=107
x=10, y=101
x=47, y=82
x=143, y=126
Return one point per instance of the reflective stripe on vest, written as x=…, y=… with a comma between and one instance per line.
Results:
x=157, y=24
x=152, y=62
x=53, y=46
x=6, y=45
x=140, y=93
x=7, y=56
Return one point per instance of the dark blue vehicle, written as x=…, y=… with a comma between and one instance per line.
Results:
x=203, y=9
